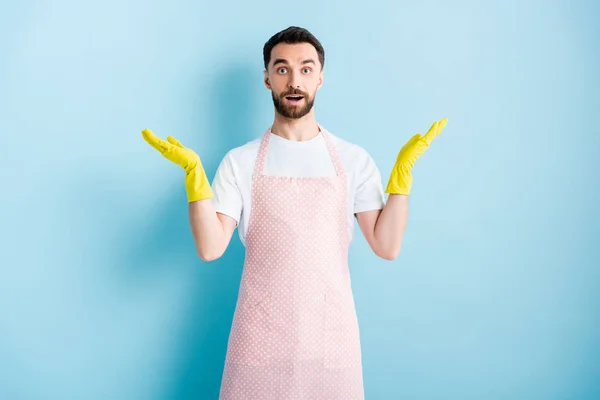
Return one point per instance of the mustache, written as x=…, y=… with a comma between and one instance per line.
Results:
x=294, y=92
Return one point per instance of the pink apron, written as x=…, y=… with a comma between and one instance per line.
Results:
x=295, y=332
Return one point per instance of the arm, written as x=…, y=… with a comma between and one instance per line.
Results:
x=384, y=229
x=212, y=231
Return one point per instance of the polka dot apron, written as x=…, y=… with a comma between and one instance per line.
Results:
x=295, y=332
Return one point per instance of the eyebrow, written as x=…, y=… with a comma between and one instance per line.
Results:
x=284, y=61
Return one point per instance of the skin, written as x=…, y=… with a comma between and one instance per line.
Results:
x=294, y=68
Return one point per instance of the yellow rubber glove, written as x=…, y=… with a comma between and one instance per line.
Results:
x=401, y=179
x=196, y=182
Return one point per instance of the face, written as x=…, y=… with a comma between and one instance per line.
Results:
x=294, y=76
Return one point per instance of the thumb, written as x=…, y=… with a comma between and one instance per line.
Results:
x=416, y=137
x=413, y=139
x=407, y=152
x=174, y=141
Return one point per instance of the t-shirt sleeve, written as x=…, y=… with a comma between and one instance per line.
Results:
x=369, y=193
x=227, y=197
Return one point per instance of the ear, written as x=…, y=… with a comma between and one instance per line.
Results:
x=266, y=80
x=321, y=78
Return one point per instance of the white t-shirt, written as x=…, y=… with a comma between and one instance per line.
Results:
x=233, y=180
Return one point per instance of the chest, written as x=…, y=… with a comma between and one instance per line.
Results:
x=313, y=161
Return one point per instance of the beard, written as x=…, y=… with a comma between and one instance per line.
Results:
x=293, y=111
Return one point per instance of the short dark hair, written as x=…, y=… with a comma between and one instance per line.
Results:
x=293, y=35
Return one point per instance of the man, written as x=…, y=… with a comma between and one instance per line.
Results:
x=293, y=194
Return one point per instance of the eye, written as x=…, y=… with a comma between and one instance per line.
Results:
x=280, y=69
x=307, y=70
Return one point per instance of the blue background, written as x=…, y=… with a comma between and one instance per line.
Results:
x=495, y=292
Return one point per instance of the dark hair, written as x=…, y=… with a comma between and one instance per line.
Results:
x=293, y=35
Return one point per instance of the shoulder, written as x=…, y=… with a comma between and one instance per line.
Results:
x=244, y=155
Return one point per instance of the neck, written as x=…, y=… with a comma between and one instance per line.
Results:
x=298, y=130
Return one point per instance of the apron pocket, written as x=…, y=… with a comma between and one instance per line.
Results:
x=251, y=332
x=341, y=337
x=255, y=299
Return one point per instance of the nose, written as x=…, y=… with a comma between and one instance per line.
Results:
x=294, y=81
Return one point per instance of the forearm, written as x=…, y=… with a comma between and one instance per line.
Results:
x=207, y=230
x=390, y=226
x=391, y=222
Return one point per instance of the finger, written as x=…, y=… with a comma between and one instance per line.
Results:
x=442, y=123
x=154, y=140
x=174, y=141
x=432, y=133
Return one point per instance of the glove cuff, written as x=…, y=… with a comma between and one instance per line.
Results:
x=400, y=182
x=197, y=185
x=393, y=188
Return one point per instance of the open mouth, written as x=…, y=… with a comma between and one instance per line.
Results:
x=294, y=98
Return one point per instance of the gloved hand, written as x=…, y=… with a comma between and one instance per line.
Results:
x=401, y=179
x=196, y=182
